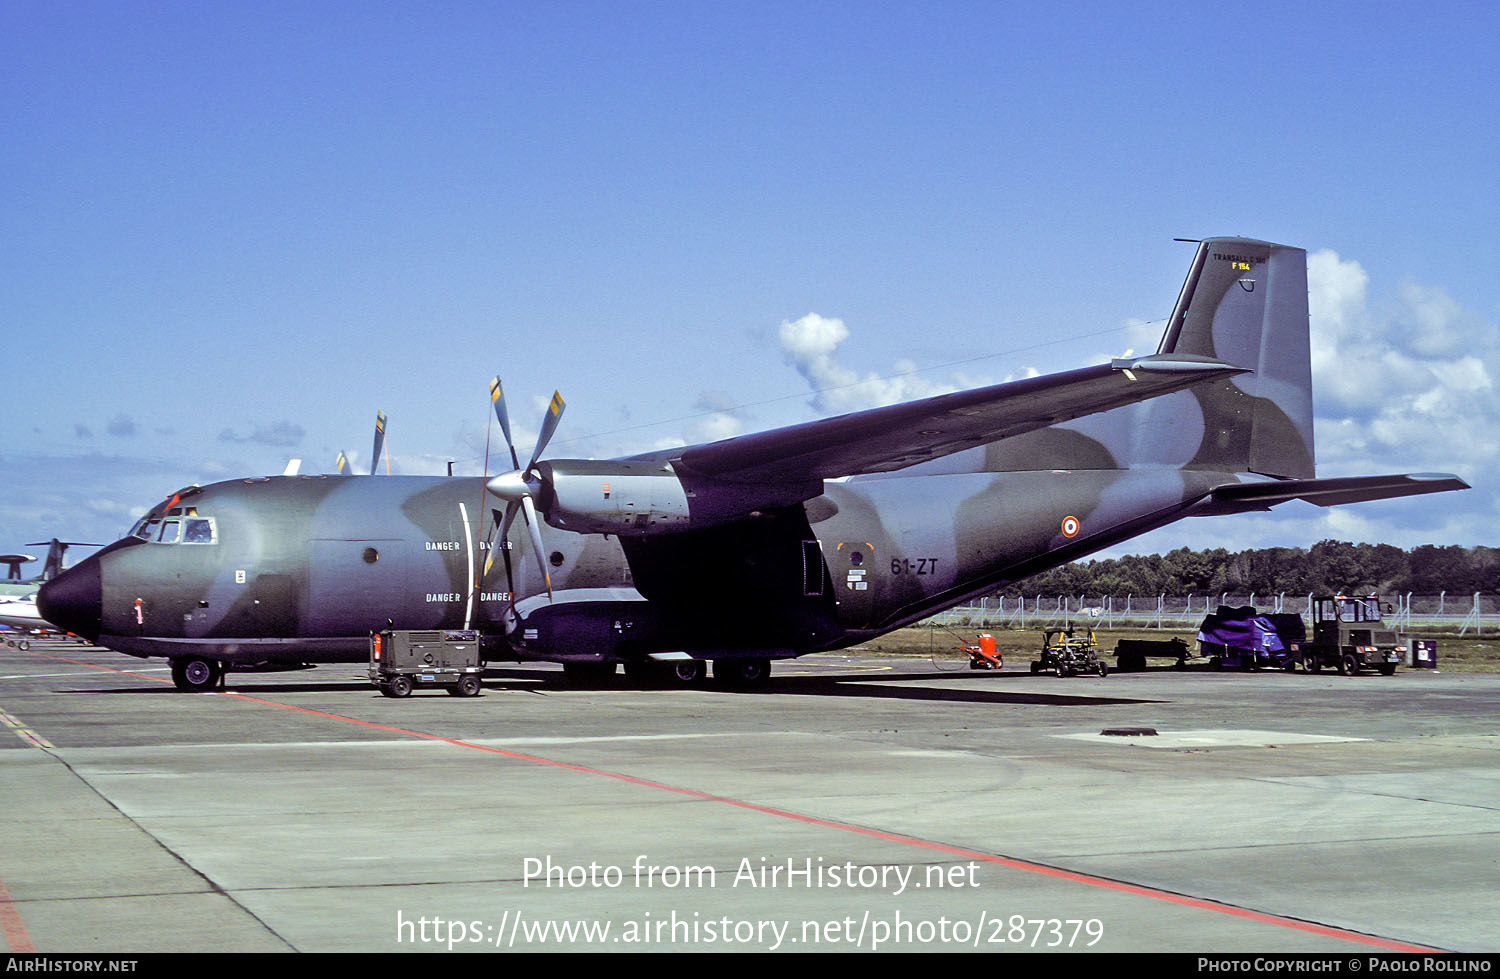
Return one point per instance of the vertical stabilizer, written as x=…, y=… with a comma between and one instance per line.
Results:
x=1245, y=302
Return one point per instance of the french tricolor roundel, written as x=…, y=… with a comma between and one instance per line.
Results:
x=1070, y=526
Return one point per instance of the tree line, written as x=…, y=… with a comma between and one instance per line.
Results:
x=1328, y=566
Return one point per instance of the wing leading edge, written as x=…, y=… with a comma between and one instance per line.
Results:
x=901, y=435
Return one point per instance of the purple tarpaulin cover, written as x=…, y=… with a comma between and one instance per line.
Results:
x=1241, y=628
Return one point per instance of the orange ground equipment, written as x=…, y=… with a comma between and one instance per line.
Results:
x=983, y=655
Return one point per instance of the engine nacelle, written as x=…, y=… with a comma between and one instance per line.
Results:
x=613, y=498
x=634, y=499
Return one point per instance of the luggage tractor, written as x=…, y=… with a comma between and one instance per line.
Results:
x=1349, y=635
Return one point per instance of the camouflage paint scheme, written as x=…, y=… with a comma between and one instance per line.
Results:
x=764, y=546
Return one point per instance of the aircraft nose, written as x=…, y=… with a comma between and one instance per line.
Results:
x=73, y=599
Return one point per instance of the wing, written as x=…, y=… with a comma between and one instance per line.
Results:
x=897, y=436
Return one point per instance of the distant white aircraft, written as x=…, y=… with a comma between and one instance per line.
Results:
x=20, y=615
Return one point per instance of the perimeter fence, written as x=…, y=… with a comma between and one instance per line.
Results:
x=1473, y=614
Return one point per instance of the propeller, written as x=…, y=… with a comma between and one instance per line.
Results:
x=379, y=443
x=346, y=468
x=519, y=487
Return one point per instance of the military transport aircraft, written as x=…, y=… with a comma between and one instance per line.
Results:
x=14, y=587
x=751, y=549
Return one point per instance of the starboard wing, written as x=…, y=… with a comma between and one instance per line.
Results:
x=901, y=435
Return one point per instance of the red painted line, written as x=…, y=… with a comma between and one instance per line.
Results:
x=95, y=666
x=1008, y=862
x=958, y=851
x=11, y=926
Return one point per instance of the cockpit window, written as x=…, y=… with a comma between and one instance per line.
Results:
x=186, y=530
x=199, y=530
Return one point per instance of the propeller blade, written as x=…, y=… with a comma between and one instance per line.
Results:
x=510, y=576
x=549, y=425
x=504, y=535
x=533, y=525
x=379, y=443
x=497, y=398
x=503, y=527
x=343, y=464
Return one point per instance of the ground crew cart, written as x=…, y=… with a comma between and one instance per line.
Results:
x=983, y=655
x=403, y=659
x=1070, y=654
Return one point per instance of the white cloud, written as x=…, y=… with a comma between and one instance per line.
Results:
x=114, y=508
x=1405, y=384
x=1141, y=336
x=282, y=435
x=712, y=427
x=809, y=344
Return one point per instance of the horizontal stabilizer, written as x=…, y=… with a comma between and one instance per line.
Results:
x=1244, y=497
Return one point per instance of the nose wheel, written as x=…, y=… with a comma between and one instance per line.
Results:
x=194, y=674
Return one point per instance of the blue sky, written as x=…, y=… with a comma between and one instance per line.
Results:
x=232, y=231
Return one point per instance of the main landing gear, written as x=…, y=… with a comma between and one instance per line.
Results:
x=742, y=672
x=692, y=672
x=669, y=673
x=195, y=674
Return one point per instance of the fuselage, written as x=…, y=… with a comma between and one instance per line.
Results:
x=20, y=613
x=304, y=568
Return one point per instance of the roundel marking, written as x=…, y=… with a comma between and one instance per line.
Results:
x=1070, y=527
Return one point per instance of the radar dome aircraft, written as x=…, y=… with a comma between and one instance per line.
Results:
x=751, y=549
x=15, y=587
x=18, y=612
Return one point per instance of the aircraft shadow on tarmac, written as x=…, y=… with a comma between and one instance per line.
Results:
x=864, y=685
x=882, y=688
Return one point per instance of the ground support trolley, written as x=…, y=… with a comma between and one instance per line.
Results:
x=404, y=659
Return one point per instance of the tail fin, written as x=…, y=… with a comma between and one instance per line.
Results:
x=1245, y=302
x=55, y=551
x=53, y=567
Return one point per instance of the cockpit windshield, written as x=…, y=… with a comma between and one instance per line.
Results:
x=178, y=525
